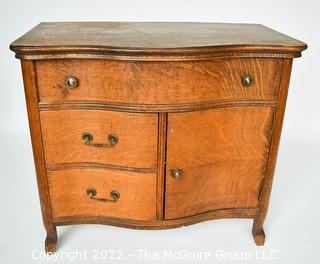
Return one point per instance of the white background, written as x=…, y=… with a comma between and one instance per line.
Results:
x=292, y=225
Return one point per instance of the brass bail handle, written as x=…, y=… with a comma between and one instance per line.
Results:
x=92, y=192
x=88, y=138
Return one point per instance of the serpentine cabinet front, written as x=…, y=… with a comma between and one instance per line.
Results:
x=154, y=137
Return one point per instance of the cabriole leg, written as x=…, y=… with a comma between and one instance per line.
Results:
x=258, y=233
x=51, y=240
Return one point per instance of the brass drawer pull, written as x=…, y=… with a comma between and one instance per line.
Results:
x=88, y=138
x=92, y=192
x=176, y=173
x=247, y=80
x=71, y=82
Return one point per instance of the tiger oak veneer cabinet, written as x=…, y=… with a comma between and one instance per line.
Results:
x=154, y=125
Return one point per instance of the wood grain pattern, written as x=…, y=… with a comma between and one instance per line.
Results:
x=222, y=154
x=137, y=133
x=30, y=88
x=69, y=198
x=140, y=40
x=158, y=82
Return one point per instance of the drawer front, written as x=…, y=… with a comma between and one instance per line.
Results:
x=66, y=137
x=69, y=194
x=216, y=159
x=158, y=82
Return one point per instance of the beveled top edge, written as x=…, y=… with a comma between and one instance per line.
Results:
x=153, y=39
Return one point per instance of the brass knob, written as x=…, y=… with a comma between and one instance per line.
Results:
x=91, y=192
x=113, y=139
x=115, y=195
x=247, y=80
x=71, y=82
x=176, y=173
x=87, y=137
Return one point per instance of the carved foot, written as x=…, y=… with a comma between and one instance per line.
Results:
x=50, y=245
x=258, y=233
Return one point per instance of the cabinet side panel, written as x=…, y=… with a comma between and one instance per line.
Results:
x=30, y=86
x=274, y=145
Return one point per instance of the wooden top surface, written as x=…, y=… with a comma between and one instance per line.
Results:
x=164, y=37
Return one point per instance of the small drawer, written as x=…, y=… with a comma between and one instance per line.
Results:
x=97, y=136
x=100, y=192
x=158, y=82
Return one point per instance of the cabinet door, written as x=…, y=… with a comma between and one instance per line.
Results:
x=218, y=158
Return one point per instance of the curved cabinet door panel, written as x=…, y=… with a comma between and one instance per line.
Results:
x=216, y=159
